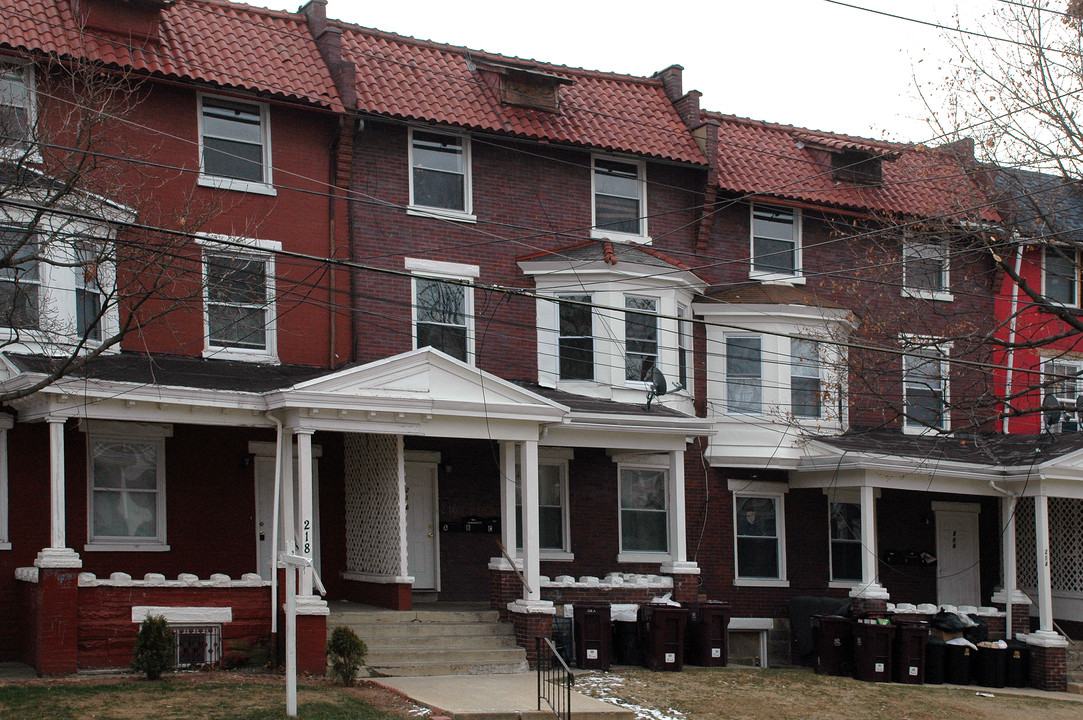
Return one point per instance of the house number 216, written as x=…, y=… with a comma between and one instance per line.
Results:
x=308, y=543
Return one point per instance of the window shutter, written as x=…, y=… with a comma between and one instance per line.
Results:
x=548, y=350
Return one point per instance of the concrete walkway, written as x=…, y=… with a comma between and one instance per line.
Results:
x=494, y=697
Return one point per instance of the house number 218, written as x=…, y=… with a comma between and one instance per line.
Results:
x=308, y=543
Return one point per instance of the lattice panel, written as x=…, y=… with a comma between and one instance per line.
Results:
x=375, y=518
x=1065, y=544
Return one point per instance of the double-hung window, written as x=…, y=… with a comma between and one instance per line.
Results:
x=925, y=269
x=640, y=338
x=239, y=299
x=644, y=517
x=16, y=106
x=576, y=337
x=776, y=242
x=760, y=537
x=440, y=173
x=89, y=297
x=1062, y=276
x=443, y=304
x=126, y=469
x=805, y=378
x=20, y=279
x=552, y=507
x=620, y=198
x=744, y=374
x=845, y=535
x=684, y=345
x=1061, y=379
x=235, y=145
x=925, y=388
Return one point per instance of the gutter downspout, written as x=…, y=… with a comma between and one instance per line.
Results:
x=1008, y=378
x=274, y=521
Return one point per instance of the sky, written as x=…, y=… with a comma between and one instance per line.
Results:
x=809, y=63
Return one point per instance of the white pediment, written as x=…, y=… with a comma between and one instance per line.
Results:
x=426, y=374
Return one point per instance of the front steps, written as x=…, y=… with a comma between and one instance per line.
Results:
x=460, y=640
x=1074, y=658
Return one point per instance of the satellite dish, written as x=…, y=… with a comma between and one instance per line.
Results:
x=1051, y=409
x=658, y=386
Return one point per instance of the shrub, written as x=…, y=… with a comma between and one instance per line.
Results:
x=347, y=653
x=154, y=648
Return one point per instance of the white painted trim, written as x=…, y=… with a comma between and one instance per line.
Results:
x=760, y=582
x=468, y=304
x=752, y=623
x=797, y=278
x=643, y=556
x=184, y=615
x=658, y=556
x=945, y=271
x=378, y=579
x=262, y=251
x=260, y=448
x=220, y=242
x=643, y=236
x=438, y=214
x=779, y=496
x=464, y=215
x=266, y=187
x=118, y=432
x=125, y=547
x=440, y=269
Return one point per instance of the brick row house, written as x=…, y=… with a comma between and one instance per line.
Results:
x=435, y=291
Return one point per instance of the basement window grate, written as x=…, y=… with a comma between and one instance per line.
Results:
x=197, y=645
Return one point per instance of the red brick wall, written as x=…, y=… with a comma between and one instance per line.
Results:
x=312, y=644
x=1048, y=668
x=528, y=627
x=56, y=622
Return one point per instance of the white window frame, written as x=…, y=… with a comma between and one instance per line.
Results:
x=819, y=376
x=1077, y=301
x=26, y=149
x=437, y=270
x=39, y=281
x=1049, y=385
x=797, y=277
x=726, y=401
x=654, y=465
x=593, y=334
x=755, y=489
x=653, y=315
x=247, y=249
x=841, y=498
x=266, y=187
x=916, y=249
x=467, y=213
x=641, y=176
x=126, y=432
x=551, y=457
x=685, y=349
x=89, y=286
x=916, y=344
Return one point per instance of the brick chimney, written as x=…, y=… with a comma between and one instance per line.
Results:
x=329, y=41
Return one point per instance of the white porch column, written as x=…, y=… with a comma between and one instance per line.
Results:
x=57, y=554
x=870, y=579
x=286, y=493
x=531, y=540
x=507, y=500
x=1009, y=593
x=678, y=532
x=1045, y=577
x=305, y=530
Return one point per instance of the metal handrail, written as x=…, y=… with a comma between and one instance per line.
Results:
x=514, y=569
x=555, y=679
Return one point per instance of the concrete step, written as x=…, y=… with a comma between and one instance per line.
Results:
x=424, y=630
x=1075, y=687
x=415, y=669
x=449, y=642
x=442, y=655
x=405, y=617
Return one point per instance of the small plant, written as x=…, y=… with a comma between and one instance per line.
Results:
x=347, y=653
x=154, y=648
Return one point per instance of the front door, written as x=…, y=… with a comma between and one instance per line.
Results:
x=958, y=564
x=422, y=540
x=265, y=485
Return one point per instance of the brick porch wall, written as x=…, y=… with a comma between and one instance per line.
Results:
x=529, y=627
x=1049, y=668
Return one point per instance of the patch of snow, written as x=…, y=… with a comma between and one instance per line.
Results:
x=605, y=687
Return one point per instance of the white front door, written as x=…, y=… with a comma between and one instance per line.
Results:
x=265, y=485
x=958, y=564
x=422, y=538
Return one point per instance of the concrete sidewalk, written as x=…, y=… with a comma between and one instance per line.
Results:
x=493, y=697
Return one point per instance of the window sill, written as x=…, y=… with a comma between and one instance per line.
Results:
x=938, y=295
x=554, y=556
x=777, y=278
x=761, y=582
x=620, y=237
x=125, y=547
x=911, y=430
x=843, y=584
x=5, y=546
x=246, y=186
x=643, y=557
x=441, y=214
x=254, y=356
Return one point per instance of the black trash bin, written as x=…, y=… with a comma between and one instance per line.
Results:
x=872, y=651
x=908, y=661
x=934, y=661
x=1017, y=671
x=706, y=638
x=990, y=665
x=957, y=664
x=833, y=639
x=661, y=632
x=593, y=636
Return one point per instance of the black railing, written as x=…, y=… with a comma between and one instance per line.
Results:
x=555, y=679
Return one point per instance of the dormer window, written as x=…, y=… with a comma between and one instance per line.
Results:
x=855, y=166
x=525, y=87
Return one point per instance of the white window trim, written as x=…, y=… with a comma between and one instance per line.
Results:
x=820, y=368
x=919, y=342
x=31, y=154
x=439, y=270
x=250, y=248
x=593, y=338
x=124, y=432
x=223, y=183
x=1045, y=367
x=654, y=463
x=556, y=458
x=684, y=323
x=1078, y=282
x=798, y=277
x=467, y=215
x=739, y=489
x=643, y=236
x=726, y=371
x=658, y=350
x=945, y=273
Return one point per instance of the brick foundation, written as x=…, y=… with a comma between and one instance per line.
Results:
x=504, y=587
x=1020, y=617
x=528, y=627
x=312, y=644
x=868, y=605
x=393, y=596
x=56, y=621
x=685, y=588
x=1049, y=668
x=996, y=626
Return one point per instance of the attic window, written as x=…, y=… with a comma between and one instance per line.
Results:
x=856, y=166
x=529, y=88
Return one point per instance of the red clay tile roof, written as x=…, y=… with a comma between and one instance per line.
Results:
x=764, y=158
x=221, y=43
x=424, y=81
